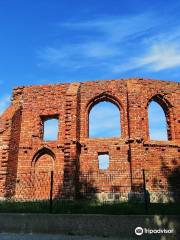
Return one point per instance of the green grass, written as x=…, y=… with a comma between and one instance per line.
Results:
x=89, y=207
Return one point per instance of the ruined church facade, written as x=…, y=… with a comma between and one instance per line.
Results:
x=27, y=159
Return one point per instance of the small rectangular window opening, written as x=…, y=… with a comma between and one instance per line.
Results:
x=50, y=128
x=103, y=161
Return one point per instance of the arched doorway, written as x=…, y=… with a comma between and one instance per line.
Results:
x=43, y=165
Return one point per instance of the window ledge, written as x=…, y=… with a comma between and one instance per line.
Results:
x=104, y=139
x=153, y=143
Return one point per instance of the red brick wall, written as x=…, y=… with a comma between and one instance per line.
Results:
x=74, y=155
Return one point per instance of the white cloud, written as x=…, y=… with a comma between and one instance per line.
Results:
x=160, y=56
x=117, y=44
x=116, y=29
x=106, y=37
x=4, y=102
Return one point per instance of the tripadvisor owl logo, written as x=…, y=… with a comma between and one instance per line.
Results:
x=139, y=231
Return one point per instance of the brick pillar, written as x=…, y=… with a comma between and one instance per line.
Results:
x=136, y=131
x=177, y=115
x=71, y=141
x=4, y=147
x=10, y=125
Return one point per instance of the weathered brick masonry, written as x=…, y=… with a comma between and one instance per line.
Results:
x=74, y=156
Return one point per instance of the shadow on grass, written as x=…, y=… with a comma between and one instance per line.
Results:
x=89, y=207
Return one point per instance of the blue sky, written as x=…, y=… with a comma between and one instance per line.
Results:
x=63, y=41
x=51, y=128
x=103, y=161
x=104, y=120
x=157, y=122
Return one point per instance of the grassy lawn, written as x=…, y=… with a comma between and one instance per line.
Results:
x=89, y=207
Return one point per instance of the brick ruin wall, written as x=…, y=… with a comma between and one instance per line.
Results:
x=74, y=156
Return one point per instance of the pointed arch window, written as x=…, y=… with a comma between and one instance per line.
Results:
x=104, y=120
x=158, y=128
